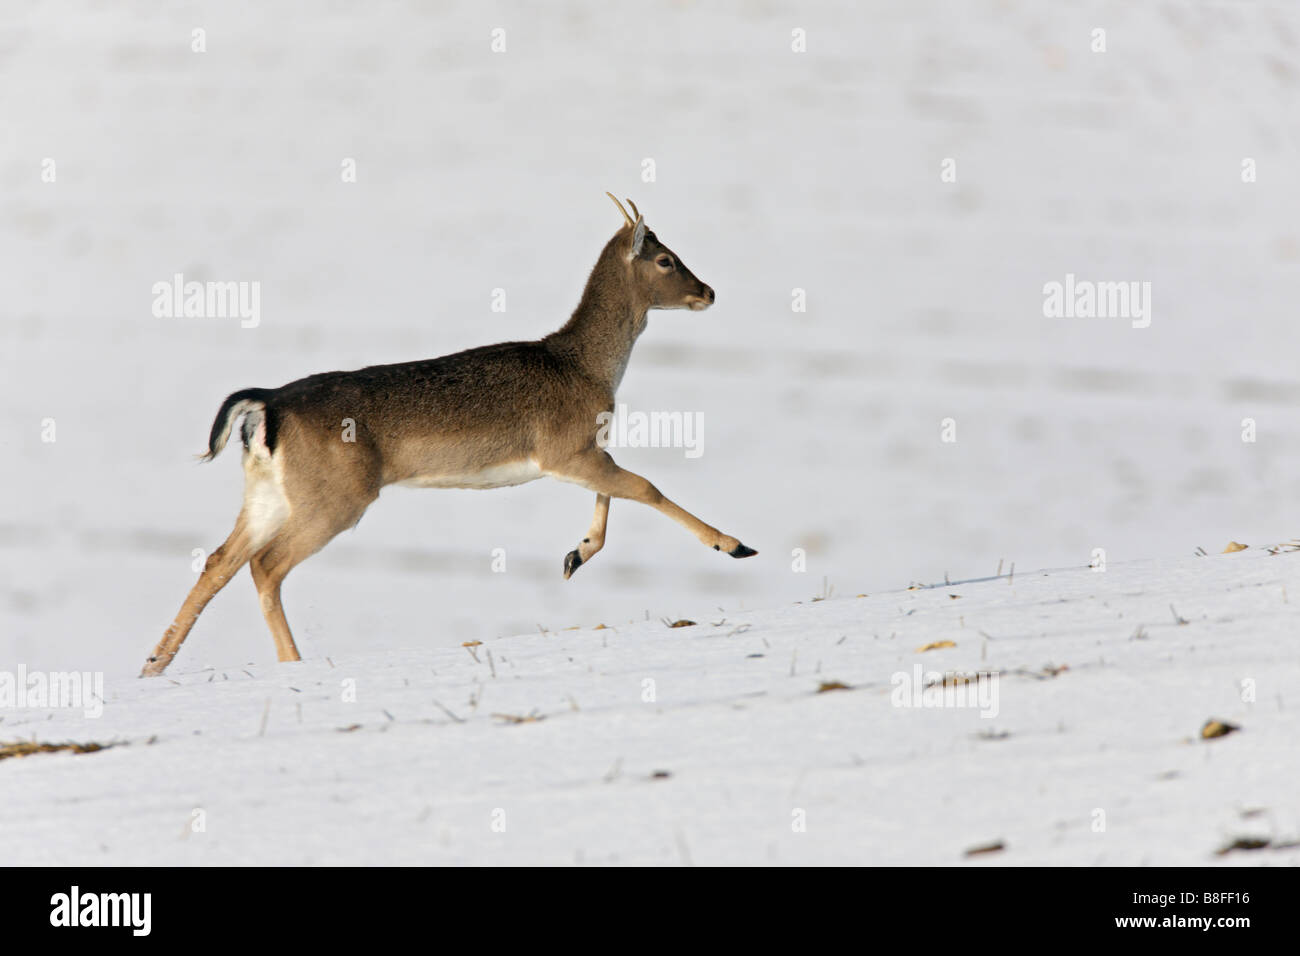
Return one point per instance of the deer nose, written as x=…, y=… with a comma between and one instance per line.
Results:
x=701, y=300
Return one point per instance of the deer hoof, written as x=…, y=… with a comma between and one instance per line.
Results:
x=153, y=667
x=572, y=561
x=740, y=551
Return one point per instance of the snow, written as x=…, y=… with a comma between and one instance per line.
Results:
x=411, y=757
x=775, y=171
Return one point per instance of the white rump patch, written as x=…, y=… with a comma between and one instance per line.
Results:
x=266, y=506
x=494, y=476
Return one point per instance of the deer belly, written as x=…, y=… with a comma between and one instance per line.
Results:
x=493, y=476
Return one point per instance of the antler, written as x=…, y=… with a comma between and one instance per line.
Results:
x=636, y=212
x=621, y=209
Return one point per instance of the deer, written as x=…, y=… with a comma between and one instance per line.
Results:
x=488, y=417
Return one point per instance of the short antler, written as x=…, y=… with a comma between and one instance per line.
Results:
x=629, y=219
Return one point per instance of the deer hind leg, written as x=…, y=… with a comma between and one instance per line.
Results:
x=269, y=567
x=295, y=543
x=334, y=509
x=217, y=572
x=265, y=510
x=596, y=470
x=593, y=542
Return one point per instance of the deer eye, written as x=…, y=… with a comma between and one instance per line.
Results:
x=664, y=262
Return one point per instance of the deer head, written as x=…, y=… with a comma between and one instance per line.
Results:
x=656, y=273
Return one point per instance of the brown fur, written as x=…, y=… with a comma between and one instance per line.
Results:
x=444, y=421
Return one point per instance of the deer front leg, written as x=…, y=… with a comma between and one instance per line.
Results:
x=596, y=470
x=593, y=542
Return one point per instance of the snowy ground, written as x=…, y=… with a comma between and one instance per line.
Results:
x=775, y=171
x=1090, y=752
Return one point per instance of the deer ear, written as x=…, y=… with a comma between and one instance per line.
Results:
x=638, y=237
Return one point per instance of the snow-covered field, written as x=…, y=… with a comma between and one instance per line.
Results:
x=711, y=744
x=821, y=171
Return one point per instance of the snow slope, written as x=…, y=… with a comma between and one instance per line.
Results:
x=1101, y=697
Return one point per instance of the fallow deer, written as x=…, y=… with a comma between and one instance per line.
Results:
x=484, y=418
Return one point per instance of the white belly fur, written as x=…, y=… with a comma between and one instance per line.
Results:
x=494, y=476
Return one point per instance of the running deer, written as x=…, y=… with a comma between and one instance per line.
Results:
x=484, y=418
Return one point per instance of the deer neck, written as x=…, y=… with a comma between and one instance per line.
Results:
x=603, y=328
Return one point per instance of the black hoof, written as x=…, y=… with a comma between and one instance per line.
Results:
x=572, y=561
x=741, y=551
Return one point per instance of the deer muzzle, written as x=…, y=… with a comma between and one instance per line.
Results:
x=700, y=302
